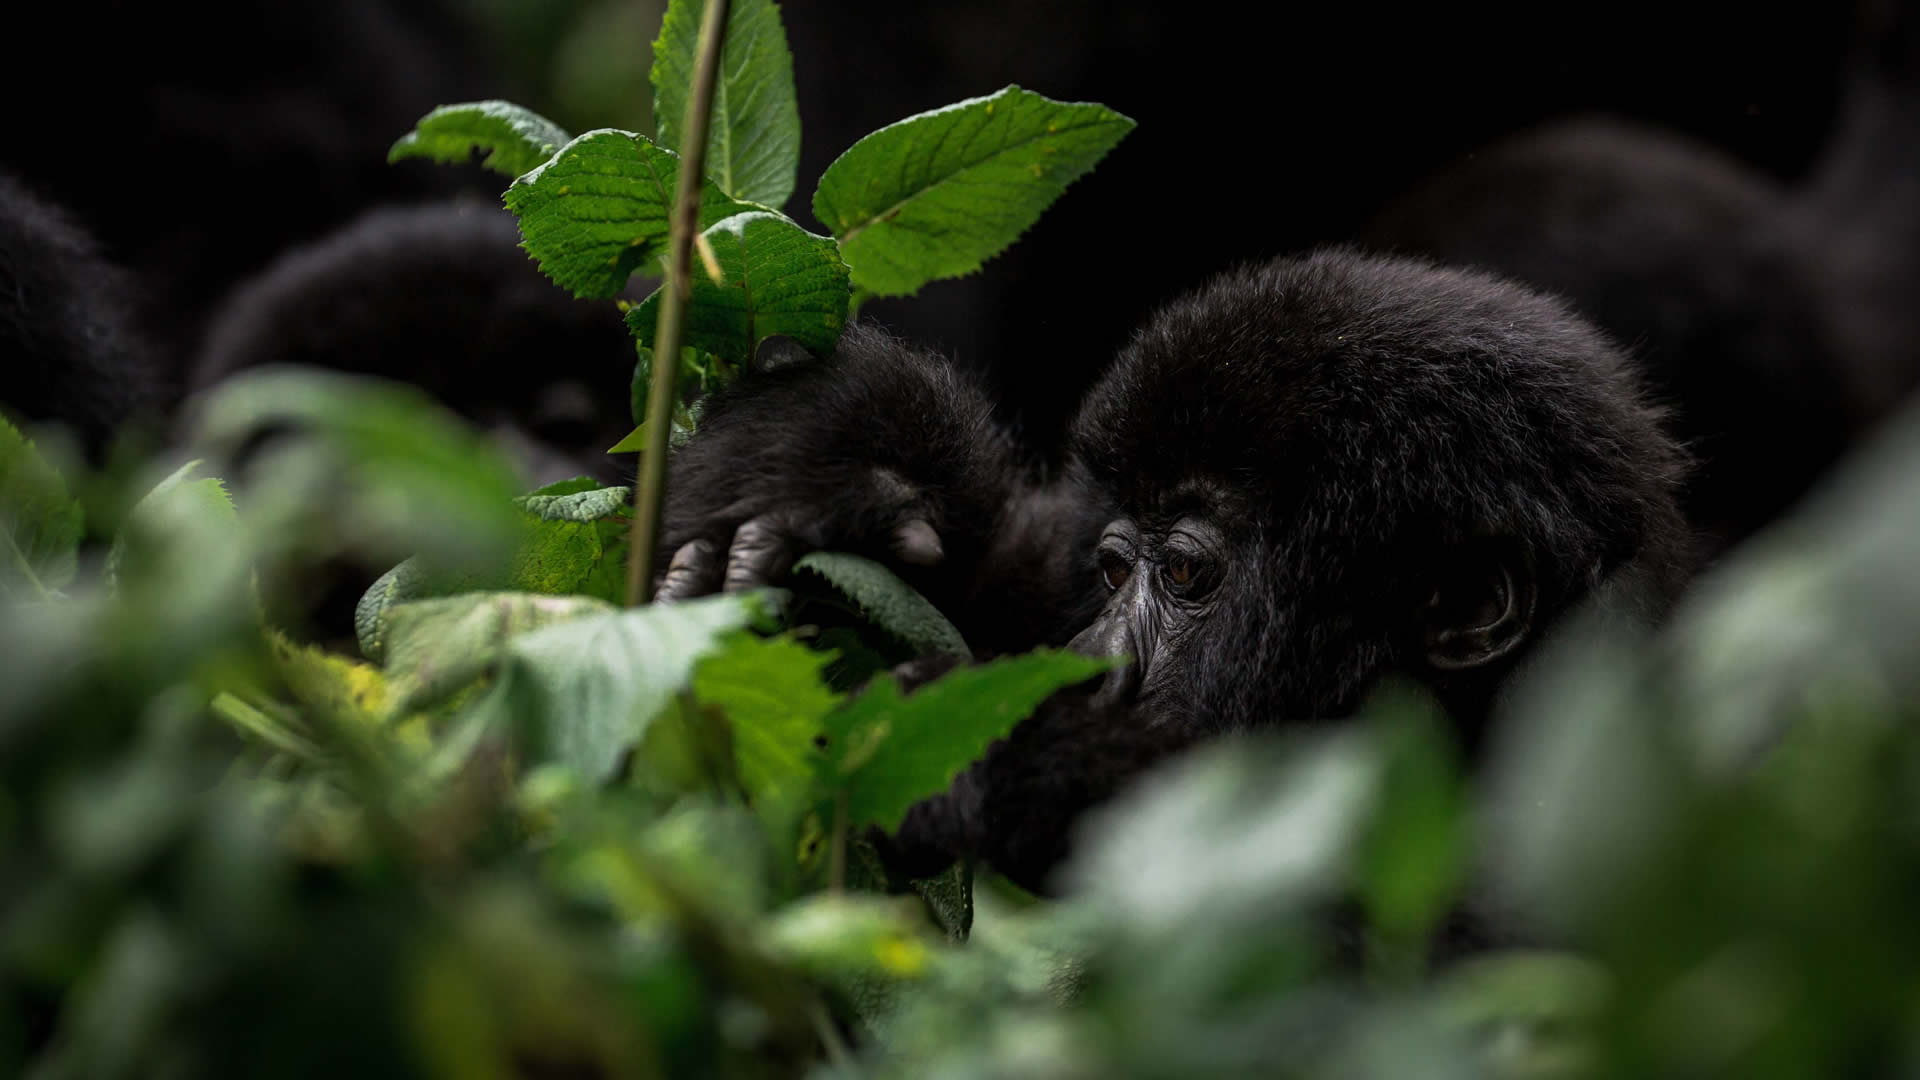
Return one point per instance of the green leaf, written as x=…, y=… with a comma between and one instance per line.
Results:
x=572, y=542
x=514, y=139
x=837, y=936
x=886, y=601
x=332, y=684
x=1413, y=858
x=579, y=504
x=40, y=524
x=776, y=701
x=634, y=442
x=937, y=194
x=887, y=752
x=587, y=689
x=777, y=279
x=435, y=648
x=182, y=547
x=700, y=374
x=362, y=465
x=1236, y=837
x=598, y=210
x=753, y=143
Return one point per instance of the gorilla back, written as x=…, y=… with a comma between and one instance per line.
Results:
x=1302, y=478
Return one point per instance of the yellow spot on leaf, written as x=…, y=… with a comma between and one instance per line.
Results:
x=564, y=188
x=1038, y=170
x=900, y=956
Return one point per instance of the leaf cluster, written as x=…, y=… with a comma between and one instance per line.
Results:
x=933, y=196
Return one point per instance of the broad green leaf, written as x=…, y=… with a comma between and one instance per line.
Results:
x=1414, y=856
x=362, y=465
x=183, y=547
x=572, y=542
x=567, y=502
x=336, y=686
x=887, y=751
x=40, y=524
x=513, y=138
x=935, y=195
x=598, y=210
x=1532, y=1013
x=1237, y=836
x=118, y=552
x=435, y=648
x=838, y=935
x=776, y=702
x=886, y=601
x=753, y=143
x=777, y=279
x=577, y=545
x=587, y=689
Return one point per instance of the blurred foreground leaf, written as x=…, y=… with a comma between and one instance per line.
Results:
x=40, y=524
x=589, y=687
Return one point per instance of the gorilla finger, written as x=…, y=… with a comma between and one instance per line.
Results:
x=917, y=544
x=760, y=556
x=694, y=571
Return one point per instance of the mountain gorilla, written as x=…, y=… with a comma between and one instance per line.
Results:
x=1777, y=321
x=70, y=349
x=1303, y=477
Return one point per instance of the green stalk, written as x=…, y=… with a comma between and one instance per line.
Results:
x=650, y=488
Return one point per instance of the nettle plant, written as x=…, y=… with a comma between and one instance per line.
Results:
x=932, y=196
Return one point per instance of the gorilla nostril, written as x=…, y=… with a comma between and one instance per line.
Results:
x=1119, y=685
x=1110, y=637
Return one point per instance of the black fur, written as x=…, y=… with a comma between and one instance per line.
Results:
x=441, y=296
x=1345, y=420
x=69, y=353
x=1777, y=322
x=196, y=156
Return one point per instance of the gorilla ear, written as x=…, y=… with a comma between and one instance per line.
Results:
x=1481, y=606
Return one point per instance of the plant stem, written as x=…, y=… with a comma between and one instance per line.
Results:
x=837, y=854
x=650, y=488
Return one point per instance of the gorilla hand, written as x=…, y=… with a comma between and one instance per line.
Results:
x=882, y=450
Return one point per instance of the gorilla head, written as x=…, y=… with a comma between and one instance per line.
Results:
x=1301, y=479
x=1318, y=471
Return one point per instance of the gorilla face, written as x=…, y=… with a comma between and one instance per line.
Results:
x=1163, y=578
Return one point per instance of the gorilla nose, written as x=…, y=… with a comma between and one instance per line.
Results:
x=1109, y=637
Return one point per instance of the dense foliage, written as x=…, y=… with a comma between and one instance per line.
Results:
x=529, y=832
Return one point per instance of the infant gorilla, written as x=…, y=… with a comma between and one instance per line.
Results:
x=1303, y=477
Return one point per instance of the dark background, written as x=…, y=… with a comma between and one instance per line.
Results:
x=199, y=140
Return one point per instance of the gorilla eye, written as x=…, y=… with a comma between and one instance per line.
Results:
x=1114, y=570
x=1188, y=574
x=1180, y=570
